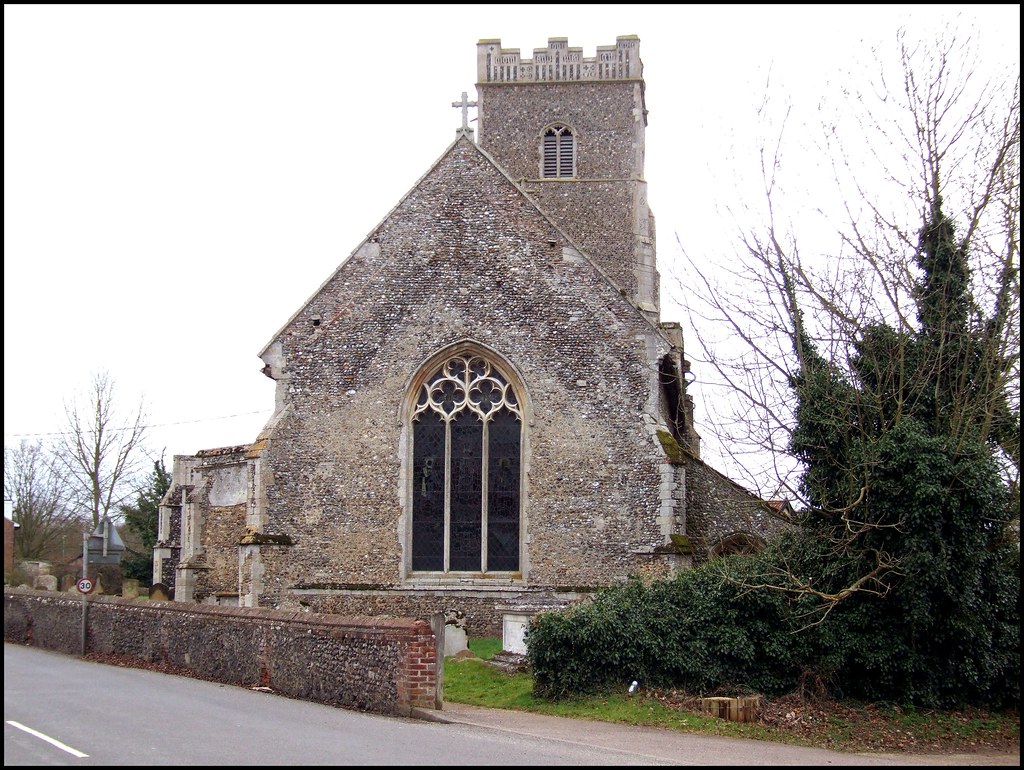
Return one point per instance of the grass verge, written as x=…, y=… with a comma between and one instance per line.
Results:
x=828, y=724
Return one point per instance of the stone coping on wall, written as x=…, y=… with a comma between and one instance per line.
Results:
x=356, y=622
x=477, y=590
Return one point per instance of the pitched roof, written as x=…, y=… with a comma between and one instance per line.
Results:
x=462, y=141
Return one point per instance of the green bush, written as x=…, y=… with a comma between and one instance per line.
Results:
x=699, y=631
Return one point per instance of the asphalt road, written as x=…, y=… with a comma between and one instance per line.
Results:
x=62, y=710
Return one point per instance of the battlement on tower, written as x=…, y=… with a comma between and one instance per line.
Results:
x=558, y=62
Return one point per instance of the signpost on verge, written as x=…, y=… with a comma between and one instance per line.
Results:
x=85, y=585
x=106, y=548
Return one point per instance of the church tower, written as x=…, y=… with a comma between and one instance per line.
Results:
x=570, y=131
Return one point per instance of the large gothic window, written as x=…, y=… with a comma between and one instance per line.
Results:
x=558, y=153
x=467, y=440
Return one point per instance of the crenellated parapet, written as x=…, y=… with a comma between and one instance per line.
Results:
x=558, y=62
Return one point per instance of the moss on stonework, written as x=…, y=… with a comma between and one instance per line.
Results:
x=251, y=537
x=682, y=544
x=673, y=450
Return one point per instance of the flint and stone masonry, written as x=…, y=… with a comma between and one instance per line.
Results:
x=527, y=261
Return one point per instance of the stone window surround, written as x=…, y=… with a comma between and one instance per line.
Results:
x=558, y=127
x=413, y=389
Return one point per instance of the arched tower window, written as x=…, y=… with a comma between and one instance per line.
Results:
x=466, y=474
x=558, y=153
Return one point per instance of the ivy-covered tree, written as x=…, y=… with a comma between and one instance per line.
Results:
x=141, y=519
x=906, y=529
x=888, y=371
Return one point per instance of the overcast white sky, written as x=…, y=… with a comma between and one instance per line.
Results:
x=179, y=179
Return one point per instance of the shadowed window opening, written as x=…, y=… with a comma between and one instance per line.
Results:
x=672, y=397
x=558, y=153
x=737, y=544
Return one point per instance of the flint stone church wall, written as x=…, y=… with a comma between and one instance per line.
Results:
x=499, y=274
x=718, y=509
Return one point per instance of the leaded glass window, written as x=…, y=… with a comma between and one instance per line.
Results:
x=467, y=443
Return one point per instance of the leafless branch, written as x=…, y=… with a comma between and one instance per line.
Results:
x=101, y=457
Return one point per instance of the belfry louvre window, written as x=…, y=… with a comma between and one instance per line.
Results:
x=467, y=439
x=559, y=153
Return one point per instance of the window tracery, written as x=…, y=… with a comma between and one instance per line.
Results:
x=467, y=440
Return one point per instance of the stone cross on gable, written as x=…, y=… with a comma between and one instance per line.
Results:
x=465, y=104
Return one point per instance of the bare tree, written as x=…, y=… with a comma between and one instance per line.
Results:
x=40, y=500
x=100, y=453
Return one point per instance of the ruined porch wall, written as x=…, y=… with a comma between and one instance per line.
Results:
x=214, y=499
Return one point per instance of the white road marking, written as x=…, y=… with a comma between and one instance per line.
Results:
x=48, y=739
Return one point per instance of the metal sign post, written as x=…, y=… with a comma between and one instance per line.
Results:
x=84, y=582
x=106, y=548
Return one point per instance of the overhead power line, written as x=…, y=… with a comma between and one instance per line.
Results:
x=154, y=425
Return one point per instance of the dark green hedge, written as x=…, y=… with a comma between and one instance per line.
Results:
x=706, y=634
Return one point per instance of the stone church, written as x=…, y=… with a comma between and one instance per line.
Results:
x=481, y=408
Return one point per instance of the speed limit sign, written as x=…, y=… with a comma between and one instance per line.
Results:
x=85, y=585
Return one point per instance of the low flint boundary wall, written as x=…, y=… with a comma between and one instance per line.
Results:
x=382, y=665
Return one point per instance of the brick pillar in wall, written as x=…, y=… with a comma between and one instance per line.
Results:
x=418, y=680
